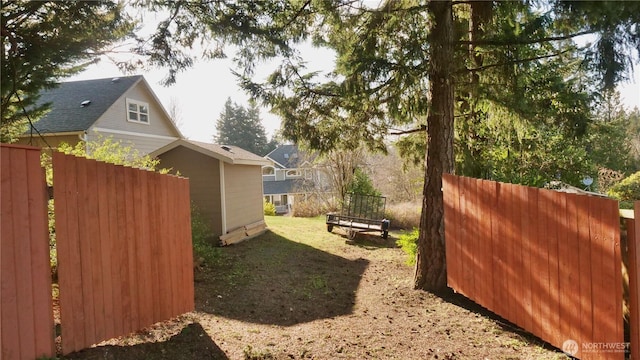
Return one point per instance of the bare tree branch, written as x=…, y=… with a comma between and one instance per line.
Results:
x=411, y=131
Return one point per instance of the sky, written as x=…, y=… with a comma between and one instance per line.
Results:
x=200, y=92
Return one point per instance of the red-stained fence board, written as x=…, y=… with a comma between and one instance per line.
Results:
x=553, y=265
x=633, y=236
x=124, y=249
x=26, y=325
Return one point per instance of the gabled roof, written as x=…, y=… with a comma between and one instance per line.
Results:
x=67, y=112
x=288, y=156
x=229, y=154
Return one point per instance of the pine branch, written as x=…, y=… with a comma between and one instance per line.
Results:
x=515, y=61
x=297, y=14
x=524, y=41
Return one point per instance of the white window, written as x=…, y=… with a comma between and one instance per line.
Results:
x=293, y=173
x=137, y=111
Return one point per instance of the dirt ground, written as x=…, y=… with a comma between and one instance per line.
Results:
x=285, y=295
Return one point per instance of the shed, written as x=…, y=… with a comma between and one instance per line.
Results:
x=225, y=185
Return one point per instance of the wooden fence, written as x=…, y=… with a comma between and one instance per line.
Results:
x=547, y=261
x=124, y=252
x=127, y=233
x=25, y=299
x=633, y=238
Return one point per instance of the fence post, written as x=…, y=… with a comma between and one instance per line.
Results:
x=633, y=236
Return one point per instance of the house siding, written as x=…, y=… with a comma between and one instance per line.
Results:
x=49, y=141
x=204, y=182
x=144, y=144
x=243, y=195
x=116, y=116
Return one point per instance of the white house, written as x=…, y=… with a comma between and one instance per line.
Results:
x=291, y=176
x=123, y=108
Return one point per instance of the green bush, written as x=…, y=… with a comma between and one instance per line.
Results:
x=627, y=190
x=362, y=184
x=408, y=242
x=204, y=249
x=269, y=208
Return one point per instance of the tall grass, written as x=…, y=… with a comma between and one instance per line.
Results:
x=311, y=207
x=404, y=215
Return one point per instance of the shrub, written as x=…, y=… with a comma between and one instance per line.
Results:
x=627, y=191
x=404, y=215
x=362, y=184
x=204, y=248
x=308, y=208
x=269, y=208
x=408, y=242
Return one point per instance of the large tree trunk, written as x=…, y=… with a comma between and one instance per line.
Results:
x=431, y=269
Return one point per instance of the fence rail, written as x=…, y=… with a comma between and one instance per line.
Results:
x=26, y=306
x=547, y=261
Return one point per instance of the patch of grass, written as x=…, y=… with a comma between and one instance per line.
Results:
x=236, y=275
x=310, y=231
x=252, y=354
x=316, y=284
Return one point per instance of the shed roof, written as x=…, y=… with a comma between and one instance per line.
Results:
x=229, y=154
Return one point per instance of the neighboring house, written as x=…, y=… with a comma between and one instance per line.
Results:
x=290, y=176
x=225, y=185
x=124, y=108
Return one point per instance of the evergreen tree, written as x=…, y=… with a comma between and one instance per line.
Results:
x=241, y=127
x=407, y=61
x=44, y=41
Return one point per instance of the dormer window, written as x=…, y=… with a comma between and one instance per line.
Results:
x=137, y=111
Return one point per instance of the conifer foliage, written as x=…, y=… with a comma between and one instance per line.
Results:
x=242, y=127
x=45, y=41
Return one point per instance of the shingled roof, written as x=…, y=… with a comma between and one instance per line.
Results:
x=288, y=156
x=68, y=114
x=228, y=154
